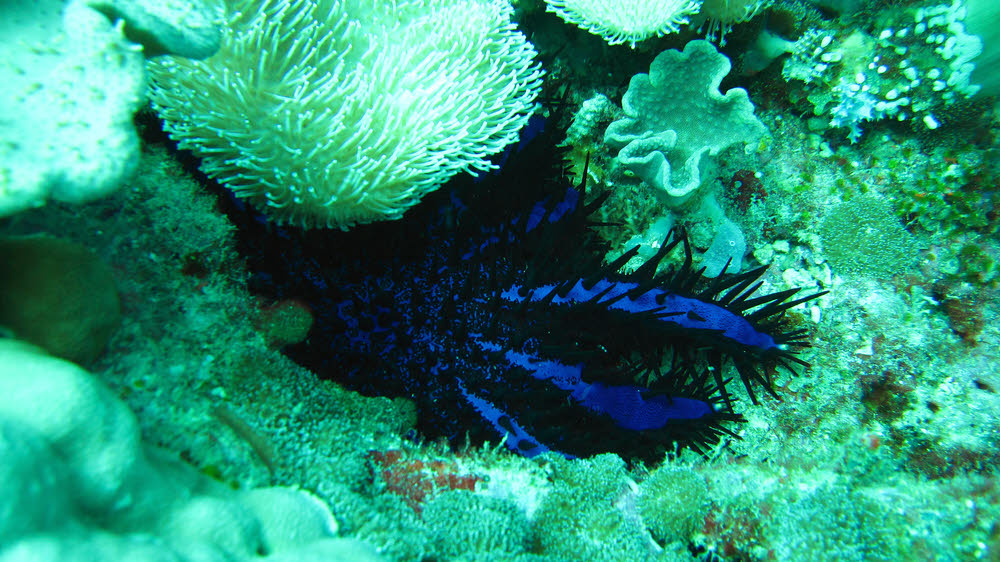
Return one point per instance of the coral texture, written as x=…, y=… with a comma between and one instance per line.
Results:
x=84, y=486
x=917, y=65
x=717, y=17
x=331, y=113
x=676, y=114
x=72, y=80
x=626, y=21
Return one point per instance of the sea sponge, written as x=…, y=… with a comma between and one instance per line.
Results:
x=331, y=113
x=626, y=21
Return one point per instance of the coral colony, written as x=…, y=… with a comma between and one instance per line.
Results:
x=547, y=280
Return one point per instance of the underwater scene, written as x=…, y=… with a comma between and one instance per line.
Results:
x=499, y=280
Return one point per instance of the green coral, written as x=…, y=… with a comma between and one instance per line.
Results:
x=579, y=520
x=913, y=66
x=835, y=522
x=863, y=237
x=946, y=193
x=976, y=266
x=673, y=502
x=466, y=523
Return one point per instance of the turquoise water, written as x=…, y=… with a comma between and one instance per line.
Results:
x=849, y=146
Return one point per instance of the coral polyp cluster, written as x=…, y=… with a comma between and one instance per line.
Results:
x=912, y=67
